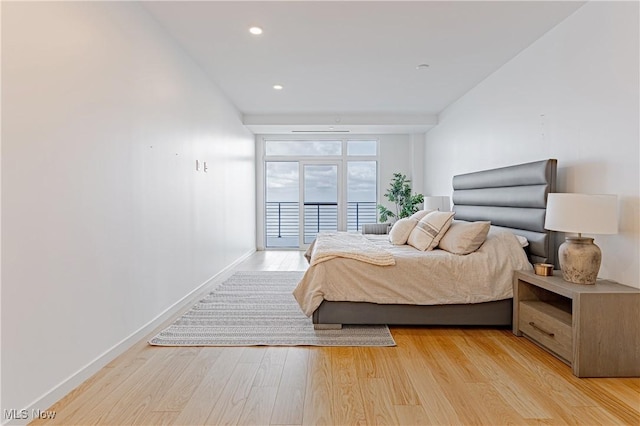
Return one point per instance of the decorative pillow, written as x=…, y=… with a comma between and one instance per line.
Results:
x=420, y=214
x=428, y=232
x=522, y=240
x=401, y=230
x=464, y=237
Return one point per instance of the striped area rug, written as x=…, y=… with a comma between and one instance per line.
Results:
x=258, y=308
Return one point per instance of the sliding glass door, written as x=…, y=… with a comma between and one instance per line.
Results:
x=321, y=199
x=313, y=186
x=282, y=204
x=362, y=190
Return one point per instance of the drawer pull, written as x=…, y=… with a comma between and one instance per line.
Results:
x=533, y=324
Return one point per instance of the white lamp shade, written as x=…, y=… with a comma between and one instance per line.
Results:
x=582, y=213
x=437, y=202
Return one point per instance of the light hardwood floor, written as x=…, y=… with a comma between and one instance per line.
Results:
x=434, y=375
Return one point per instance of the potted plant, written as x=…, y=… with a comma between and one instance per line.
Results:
x=399, y=193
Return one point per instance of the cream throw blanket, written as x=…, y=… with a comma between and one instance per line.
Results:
x=329, y=245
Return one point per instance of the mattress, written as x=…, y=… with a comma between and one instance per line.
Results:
x=418, y=278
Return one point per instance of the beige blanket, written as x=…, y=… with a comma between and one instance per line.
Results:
x=418, y=278
x=329, y=245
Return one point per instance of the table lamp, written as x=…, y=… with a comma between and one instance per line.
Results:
x=579, y=257
x=437, y=202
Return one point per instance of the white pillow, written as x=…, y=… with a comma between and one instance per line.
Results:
x=428, y=232
x=464, y=237
x=522, y=240
x=401, y=230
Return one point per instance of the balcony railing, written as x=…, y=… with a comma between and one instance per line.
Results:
x=283, y=220
x=359, y=213
x=319, y=217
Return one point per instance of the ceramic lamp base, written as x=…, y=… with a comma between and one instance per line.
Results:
x=579, y=260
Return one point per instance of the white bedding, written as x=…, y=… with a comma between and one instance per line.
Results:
x=329, y=245
x=417, y=278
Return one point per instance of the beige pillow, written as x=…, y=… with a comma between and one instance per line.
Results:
x=464, y=237
x=401, y=230
x=420, y=214
x=428, y=232
x=523, y=241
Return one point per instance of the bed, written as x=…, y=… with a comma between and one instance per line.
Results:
x=512, y=198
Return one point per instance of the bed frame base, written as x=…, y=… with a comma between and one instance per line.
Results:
x=327, y=326
x=497, y=313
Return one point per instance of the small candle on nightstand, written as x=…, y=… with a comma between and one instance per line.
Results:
x=544, y=269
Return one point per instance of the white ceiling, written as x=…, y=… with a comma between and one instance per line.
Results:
x=352, y=65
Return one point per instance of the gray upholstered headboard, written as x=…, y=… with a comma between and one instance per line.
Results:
x=513, y=197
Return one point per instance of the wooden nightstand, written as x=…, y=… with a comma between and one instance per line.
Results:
x=593, y=328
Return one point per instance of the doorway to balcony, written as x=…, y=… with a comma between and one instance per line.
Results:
x=317, y=186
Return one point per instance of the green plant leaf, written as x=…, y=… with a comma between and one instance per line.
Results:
x=399, y=193
x=385, y=213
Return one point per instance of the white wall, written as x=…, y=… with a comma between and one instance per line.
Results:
x=418, y=141
x=105, y=221
x=572, y=95
x=396, y=156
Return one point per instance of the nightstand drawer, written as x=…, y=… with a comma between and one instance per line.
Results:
x=547, y=325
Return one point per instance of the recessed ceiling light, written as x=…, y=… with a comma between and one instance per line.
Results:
x=255, y=30
x=278, y=86
x=422, y=67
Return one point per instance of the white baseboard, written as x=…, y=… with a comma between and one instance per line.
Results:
x=76, y=379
